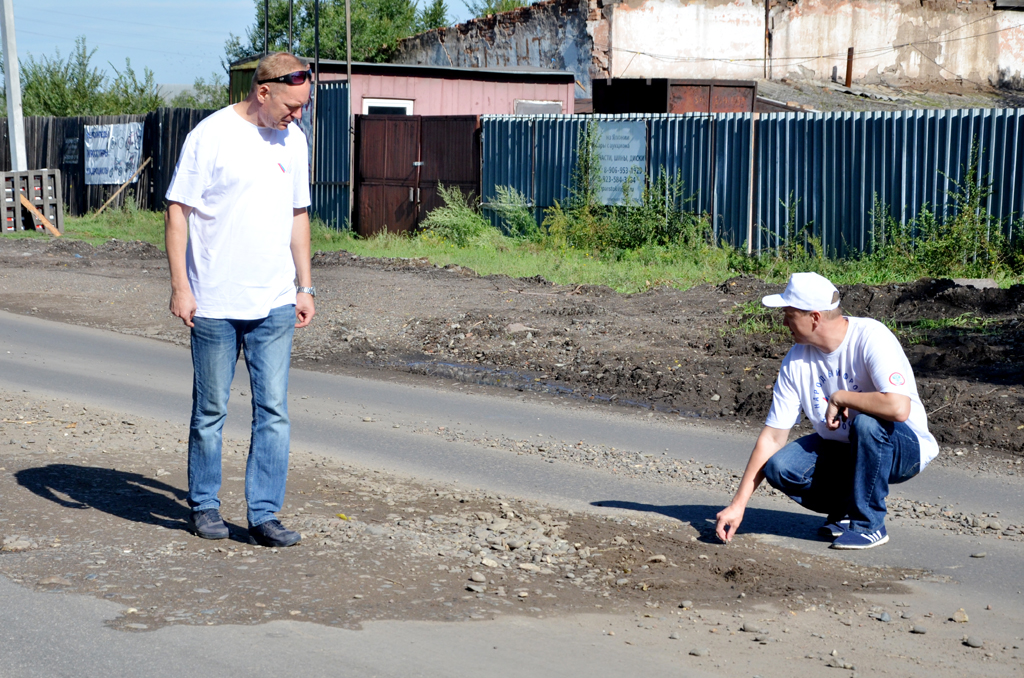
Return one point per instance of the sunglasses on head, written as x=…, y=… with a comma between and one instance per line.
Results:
x=296, y=78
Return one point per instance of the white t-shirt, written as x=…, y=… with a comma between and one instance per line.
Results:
x=242, y=182
x=870, y=360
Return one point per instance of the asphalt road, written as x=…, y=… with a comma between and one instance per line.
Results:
x=144, y=377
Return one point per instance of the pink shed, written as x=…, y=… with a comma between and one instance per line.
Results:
x=433, y=90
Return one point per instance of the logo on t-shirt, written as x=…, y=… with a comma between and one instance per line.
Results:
x=897, y=379
x=282, y=168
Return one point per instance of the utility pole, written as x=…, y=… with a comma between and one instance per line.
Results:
x=290, y=2
x=12, y=80
x=351, y=115
x=767, y=39
x=266, y=24
x=314, y=174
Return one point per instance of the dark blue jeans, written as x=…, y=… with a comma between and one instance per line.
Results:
x=267, y=344
x=848, y=479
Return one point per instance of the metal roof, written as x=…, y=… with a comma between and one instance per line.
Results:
x=516, y=74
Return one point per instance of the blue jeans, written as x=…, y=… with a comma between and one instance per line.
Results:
x=267, y=344
x=848, y=479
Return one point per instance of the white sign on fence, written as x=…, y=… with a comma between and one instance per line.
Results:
x=622, y=149
x=112, y=152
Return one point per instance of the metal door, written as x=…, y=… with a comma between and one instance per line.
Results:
x=388, y=173
x=401, y=161
x=450, y=152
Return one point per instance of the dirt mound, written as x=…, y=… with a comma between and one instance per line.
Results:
x=343, y=258
x=130, y=249
x=63, y=246
x=930, y=299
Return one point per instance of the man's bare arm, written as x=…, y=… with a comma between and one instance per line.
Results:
x=183, y=303
x=304, y=306
x=888, y=406
x=770, y=441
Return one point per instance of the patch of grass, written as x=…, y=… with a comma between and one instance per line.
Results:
x=917, y=331
x=127, y=223
x=754, y=318
x=964, y=321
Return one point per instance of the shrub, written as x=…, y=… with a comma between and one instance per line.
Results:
x=457, y=221
x=515, y=212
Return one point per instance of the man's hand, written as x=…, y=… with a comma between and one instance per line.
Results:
x=768, y=443
x=728, y=521
x=835, y=414
x=304, y=309
x=183, y=305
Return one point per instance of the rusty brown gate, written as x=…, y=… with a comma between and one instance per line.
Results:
x=400, y=161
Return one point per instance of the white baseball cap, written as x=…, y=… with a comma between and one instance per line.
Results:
x=807, y=292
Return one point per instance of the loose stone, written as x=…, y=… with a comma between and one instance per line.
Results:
x=974, y=642
x=919, y=630
x=700, y=652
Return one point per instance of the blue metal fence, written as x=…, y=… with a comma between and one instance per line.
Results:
x=330, y=178
x=764, y=177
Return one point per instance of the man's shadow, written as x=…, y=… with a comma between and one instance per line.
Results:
x=130, y=496
x=802, y=526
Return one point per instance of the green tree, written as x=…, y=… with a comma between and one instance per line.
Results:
x=127, y=95
x=487, y=7
x=55, y=86
x=377, y=26
x=59, y=87
x=434, y=15
x=204, y=95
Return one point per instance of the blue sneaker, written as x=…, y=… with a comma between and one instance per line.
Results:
x=834, y=528
x=856, y=541
x=273, y=534
x=207, y=524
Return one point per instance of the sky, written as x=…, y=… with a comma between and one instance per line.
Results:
x=179, y=40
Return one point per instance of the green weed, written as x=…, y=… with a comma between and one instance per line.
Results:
x=457, y=221
x=754, y=318
x=515, y=212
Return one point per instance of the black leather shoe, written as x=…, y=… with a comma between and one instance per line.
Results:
x=273, y=533
x=207, y=524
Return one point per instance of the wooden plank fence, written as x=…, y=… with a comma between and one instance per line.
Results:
x=51, y=143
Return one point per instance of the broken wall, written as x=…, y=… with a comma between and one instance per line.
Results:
x=551, y=35
x=895, y=41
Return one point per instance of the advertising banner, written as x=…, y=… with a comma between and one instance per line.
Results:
x=622, y=149
x=112, y=152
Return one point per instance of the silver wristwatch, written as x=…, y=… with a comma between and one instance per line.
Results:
x=311, y=291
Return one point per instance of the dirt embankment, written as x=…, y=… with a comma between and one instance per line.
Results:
x=710, y=351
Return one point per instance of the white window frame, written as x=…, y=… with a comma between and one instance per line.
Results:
x=391, y=103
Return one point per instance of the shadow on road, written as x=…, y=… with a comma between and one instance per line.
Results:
x=701, y=517
x=130, y=496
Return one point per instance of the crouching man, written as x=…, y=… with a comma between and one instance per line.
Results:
x=851, y=378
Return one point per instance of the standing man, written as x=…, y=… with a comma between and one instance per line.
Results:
x=237, y=237
x=853, y=381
